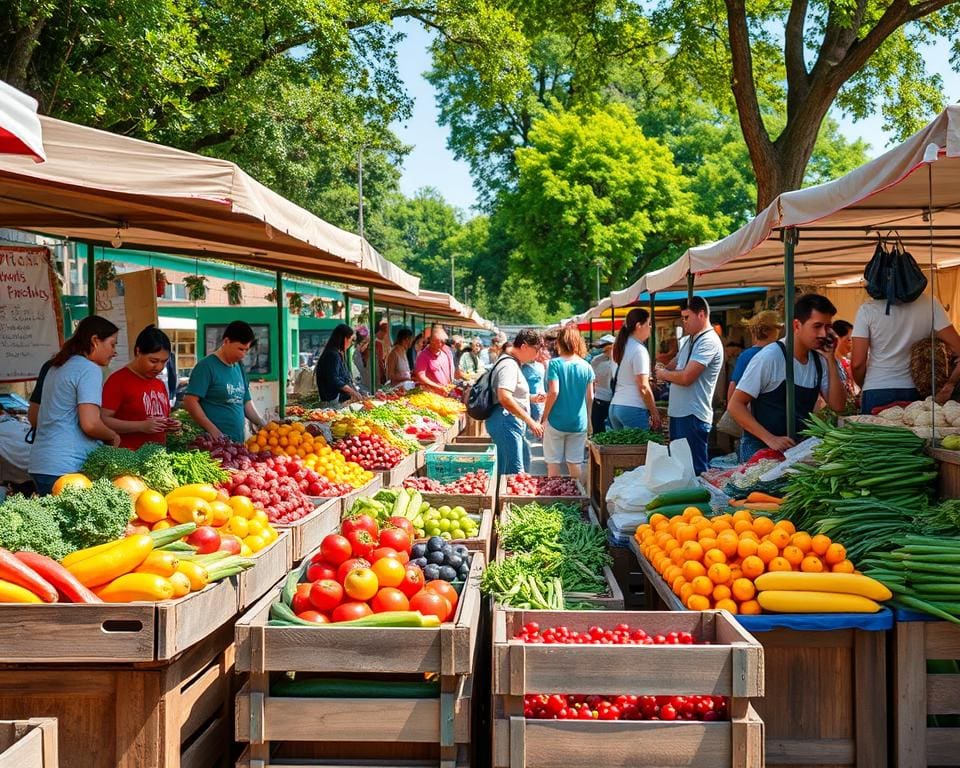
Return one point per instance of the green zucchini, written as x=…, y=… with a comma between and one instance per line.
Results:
x=687, y=496
x=355, y=689
x=673, y=510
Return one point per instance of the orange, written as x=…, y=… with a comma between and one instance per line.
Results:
x=692, y=550
x=721, y=592
x=685, y=591
x=670, y=544
x=691, y=512
x=779, y=537
x=720, y=525
x=702, y=586
x=698, y=603
x=692, y=569
x=835, y=554
x=728, y=544
x=727, y=605
x=718, y=573
x=763, y=525
x=686, y=533
x=750, y=608
x=736, y=572
x=701, y=523
x=787, y=526
x=802, y=541
x=747, y=547
x=671, y=572
x=844, y=566
x=767, y=551
x=742, y=515
x=820, y=543
x=742, y=525
x=677, y=557
x=752, y=535
x=743, y=590
x=811, y=564
x=708, y=542
x=676, y=585
x=794, y=555
x=712, y=556
x=753, y=566
x=779, y=564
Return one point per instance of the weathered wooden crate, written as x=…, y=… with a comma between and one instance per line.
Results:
x=463, y=760
x=948, y=467
x=273, y=563
x=175, y=714
x=507, y=498
x=918, y=693
x=472, y=440
x=605, y=460
x=483, y=541
x=392, y=478
x=348, y=728
x=611, y=601
x=367, y=490
x=732, y=666
x=474, y=428
x=307, y=532
x=826, y=700
x=29, y=743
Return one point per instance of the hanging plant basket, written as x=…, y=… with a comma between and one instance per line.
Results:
x=295, y=303
x=196, y=287
x=271, y=297
x=234, y=293
x=318, y=306
x=162, y=283
x=103, y=274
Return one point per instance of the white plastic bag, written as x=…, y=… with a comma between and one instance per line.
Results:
x=668, y=467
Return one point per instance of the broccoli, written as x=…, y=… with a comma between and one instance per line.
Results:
x=150, y=462
x=94, y=515
x=32, y=523
x=157, y=469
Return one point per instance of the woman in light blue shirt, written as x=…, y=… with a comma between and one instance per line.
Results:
x=569, y=399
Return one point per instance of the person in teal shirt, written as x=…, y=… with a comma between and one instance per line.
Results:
x=218, y=396
x=569, y=399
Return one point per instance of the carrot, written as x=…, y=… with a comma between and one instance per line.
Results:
x=18, y=572
x=758, y=507
x=64, y=581
x=763, y=498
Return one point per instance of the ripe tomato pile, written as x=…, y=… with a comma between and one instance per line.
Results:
x=471, y=483
x=523, y=484
x=364, y=570
x=559, y=706
x=369, y=451
x=422, y=432
x=621, y=634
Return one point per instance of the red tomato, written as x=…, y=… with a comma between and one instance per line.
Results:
x=326, y=594
x=397, y=538
x=319, y=570
x=390, y=572
x=350, y=611
x=361, y=584
x=360, y=523
x=404, y=524
x=381, y=552
x=430, y=603
x=445, y=589
x=389, y=599
x=301, y=599
x=335, y=549
x=361, y=543
x=412, y=580
x=404, y=557
x=350, y=565
x=313, y=616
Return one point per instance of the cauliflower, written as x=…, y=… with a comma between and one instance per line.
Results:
x=913, y=409
x=940, y=419
x=923, y=419
x=894, y=414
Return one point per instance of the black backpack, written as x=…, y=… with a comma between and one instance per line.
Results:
x=894, y=275
x=482, y=397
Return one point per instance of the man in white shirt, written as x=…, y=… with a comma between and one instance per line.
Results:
x=603, y=369
x=692, y=376
x=759, y=403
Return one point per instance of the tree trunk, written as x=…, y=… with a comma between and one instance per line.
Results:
x=21, y=52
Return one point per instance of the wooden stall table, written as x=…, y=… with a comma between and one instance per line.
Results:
x=826, y=689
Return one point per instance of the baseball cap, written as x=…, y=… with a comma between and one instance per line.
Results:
x=604, y=340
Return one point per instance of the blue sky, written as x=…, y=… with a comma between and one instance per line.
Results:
x=430, y=163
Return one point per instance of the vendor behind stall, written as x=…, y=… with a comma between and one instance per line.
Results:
x=759, y=403
x=218, y=396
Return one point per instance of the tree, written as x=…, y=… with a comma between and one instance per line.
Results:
x=594, y=192
x=852, y=54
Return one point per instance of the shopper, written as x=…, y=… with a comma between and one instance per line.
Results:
x=469, y=363
x=765, y=329
x=136, y=404
x=69, y=424
x=844, y=332
x=692, y=376
x=534, y=373
x=359, y=358
x=382, y=347
x=489, y=355
x=569, y=400
x=434, y=367
x=506, y=423
x=603, y=370
x=880, y=355
x=218, y=396
x=633, y=405
x=763, y=386
x=398, y=366
x=334, y=383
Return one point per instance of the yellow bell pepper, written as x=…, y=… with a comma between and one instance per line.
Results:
x=14, y=593
x=203, y=491
x=189, y=509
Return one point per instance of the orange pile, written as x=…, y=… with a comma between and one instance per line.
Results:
x=286, y=439
x=711, y=563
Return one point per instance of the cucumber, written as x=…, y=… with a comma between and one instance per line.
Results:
x=677, y=509
x=686, y=496
x=355, y=689
x=290, y=587
x=166, y=536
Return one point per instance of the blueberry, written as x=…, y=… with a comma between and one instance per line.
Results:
x=447, y=573
x=418, y=550
x=464, y=571
x=448, y=549
x=431, y=572
x=454, y=561
x=462, y=550
x=435, y=544
x=421, y=561
x=436, y=558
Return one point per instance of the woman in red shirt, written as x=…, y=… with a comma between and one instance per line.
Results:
x=135, y=402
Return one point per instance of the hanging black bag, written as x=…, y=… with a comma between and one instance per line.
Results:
x=894, y=275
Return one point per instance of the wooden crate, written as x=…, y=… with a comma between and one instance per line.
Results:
x=367, y=490
x=507, y=498
x=826, y=700
x=392, y=478
x=472, y=440
x=29, y=743
x=307, y=532
x=605, y=460
x=732, y=666
x=948, y=467
x=918, y=693
x=273, y=563
x=175, y=714
x=463, y=760
x=484, y=540
x=473, y=428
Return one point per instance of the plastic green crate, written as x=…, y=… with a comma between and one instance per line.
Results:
x=447, y=466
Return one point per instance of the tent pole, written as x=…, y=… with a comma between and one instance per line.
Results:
x=404, y=317
x=346, y=308
x=652, y=341
x=613, y=316
x=689, y=286
x=789, y=244
x=281, y=349
x=590, y=325
x=371, y=348
x=91, y=282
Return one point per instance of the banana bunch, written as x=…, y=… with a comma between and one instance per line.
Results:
x=349, y=428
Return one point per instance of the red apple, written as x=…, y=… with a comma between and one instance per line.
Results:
x=206, y=539
x=229, y=543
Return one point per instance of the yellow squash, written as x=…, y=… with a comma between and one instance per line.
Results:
x=160, y=562
x=14, y=593
x=188, y=509
x=106, y=565
x=203, y=491
x=847, y=583
x=136, y=587
x=196, y=573
x=796, y=601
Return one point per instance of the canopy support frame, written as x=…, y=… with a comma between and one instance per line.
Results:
x=789, y=244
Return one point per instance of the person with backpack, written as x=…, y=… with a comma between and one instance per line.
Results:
x=502, y=397
x=759, y=403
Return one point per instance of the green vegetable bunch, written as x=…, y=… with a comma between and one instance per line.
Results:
x=189, y=431
x=197, y=467
x=629, y=436
x=150, y=462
